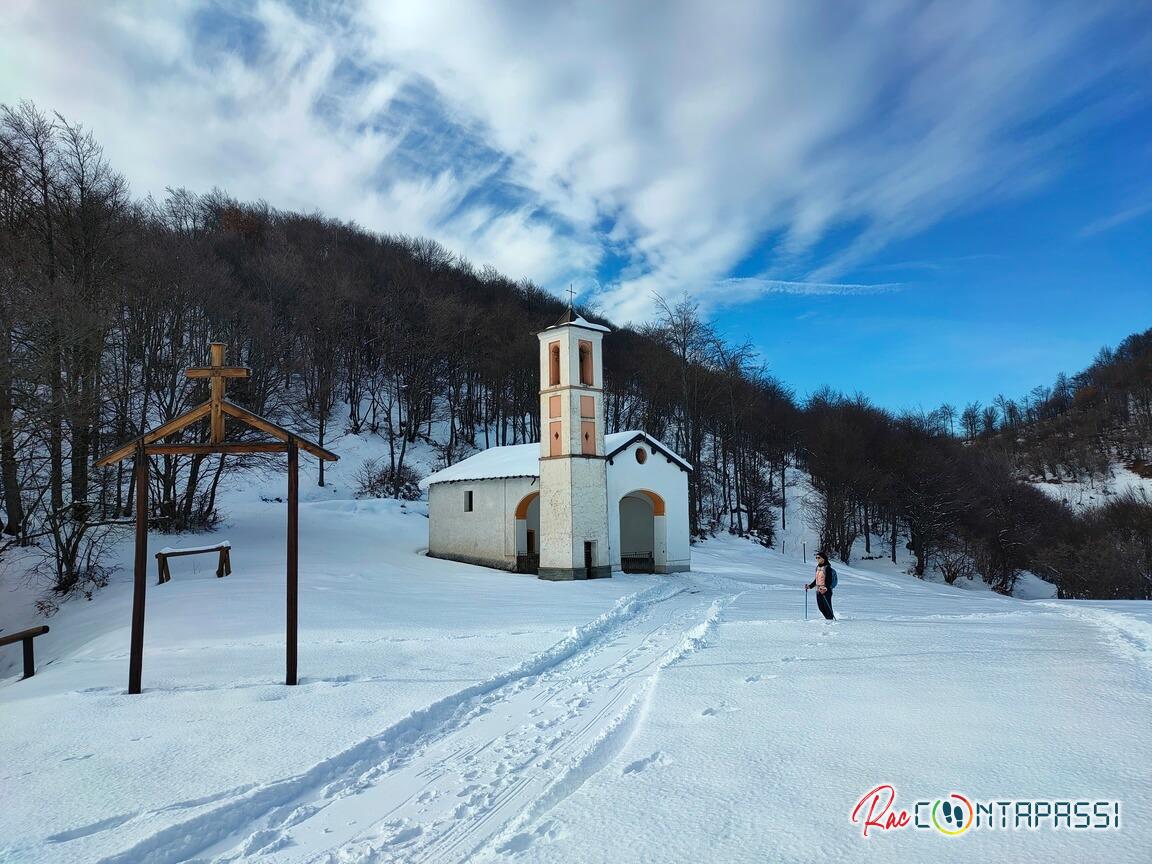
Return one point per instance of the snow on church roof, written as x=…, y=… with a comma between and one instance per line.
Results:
x=571, y=318
x=523, y=460
x=514, y=460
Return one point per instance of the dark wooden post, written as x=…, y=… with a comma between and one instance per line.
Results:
x=293, y=545
x=29, y=658
x=140, y=583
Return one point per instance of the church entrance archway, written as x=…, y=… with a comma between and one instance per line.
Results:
x=528, y=534
x=643, y=533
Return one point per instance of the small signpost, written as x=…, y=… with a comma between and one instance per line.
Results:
x=150, y=444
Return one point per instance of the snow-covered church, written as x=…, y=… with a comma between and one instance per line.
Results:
x=578, y=505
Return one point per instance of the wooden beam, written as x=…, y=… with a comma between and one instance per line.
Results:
x=222, y=372
x=171, y=427
x=216, y=395
x=23, y=634
x=258, y=422
x=227, y=447
x=183, y=553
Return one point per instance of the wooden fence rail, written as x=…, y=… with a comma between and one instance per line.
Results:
x=25, y=636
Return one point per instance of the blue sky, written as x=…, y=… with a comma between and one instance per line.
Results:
x=923, y=202
x=995, y=301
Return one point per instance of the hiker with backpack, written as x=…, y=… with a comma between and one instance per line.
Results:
x=824, y=583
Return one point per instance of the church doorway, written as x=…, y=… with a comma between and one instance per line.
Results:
x=528, y=534
x=643, y=545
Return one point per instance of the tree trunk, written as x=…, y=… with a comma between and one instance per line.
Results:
x=9, y=477
x=783, y=495
x=56, y=429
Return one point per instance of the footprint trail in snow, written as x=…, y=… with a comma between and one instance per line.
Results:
x=473, y=785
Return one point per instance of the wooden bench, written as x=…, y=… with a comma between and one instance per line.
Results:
x=26, y=636
x=641, y=563
x=223, y=568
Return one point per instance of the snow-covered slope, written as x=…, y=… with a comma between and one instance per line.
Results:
x=797, y=540
x=453, y=713
x=1083, y=493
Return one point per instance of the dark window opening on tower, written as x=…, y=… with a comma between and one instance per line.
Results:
x=586, y=364
x=468, y=501
x=554, y=364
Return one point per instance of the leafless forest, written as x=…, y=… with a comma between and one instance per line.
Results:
x=105, y=300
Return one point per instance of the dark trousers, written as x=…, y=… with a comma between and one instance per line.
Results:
x=824, y=604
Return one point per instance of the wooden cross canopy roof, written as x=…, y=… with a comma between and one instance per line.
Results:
x=216, y=408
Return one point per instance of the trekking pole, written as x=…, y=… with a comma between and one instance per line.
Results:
x=805, y=604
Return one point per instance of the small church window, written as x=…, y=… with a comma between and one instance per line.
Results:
x=554, y=364
x=641, y=455
x=468, y=501
x=586, y=363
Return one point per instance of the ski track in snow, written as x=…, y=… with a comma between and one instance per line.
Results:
x=1131, y=636
x=465, y=777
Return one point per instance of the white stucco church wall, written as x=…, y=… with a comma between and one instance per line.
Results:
x=485, y=534
x=578, y=504
x=628, y=481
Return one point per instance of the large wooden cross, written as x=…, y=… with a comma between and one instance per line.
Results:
x=218, y=374
x=150, y=443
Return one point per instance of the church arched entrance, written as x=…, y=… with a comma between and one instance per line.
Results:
x=643, y=532
x=528, y=534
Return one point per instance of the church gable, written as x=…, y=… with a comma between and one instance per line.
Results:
x=621, y=441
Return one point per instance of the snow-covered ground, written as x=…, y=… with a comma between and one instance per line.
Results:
x=1083, y=493
x=453, y=713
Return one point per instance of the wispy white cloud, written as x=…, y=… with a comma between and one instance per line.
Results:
x=936, y=265
x=677, y=138
x=1099, y=226
x=837, y=289
x=737, y=291
x=283, y=121
x=706, y=131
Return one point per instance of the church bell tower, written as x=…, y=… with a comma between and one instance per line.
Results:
x=573, y=470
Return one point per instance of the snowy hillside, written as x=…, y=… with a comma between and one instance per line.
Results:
x=797, y=539
x=1084, y=493
x=452, y=713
